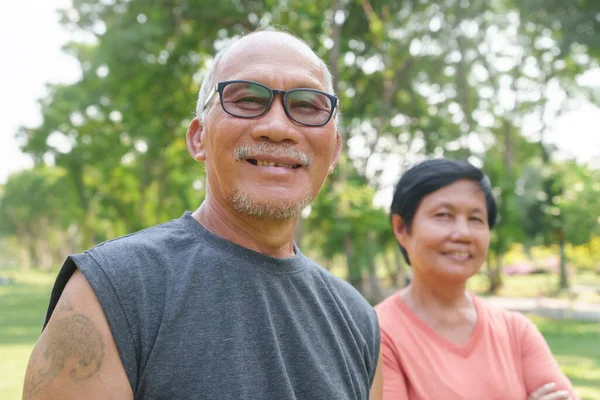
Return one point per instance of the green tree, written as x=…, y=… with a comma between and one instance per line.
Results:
x=560, y=206
x=35, y=207
x=415, y=79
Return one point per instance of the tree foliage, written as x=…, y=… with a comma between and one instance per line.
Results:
x=416, y=79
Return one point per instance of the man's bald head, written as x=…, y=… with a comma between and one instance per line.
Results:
x=265, y=39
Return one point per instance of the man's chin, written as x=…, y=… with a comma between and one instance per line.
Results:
x=269, y=210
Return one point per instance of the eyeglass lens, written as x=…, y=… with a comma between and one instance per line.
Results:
x=247, y=99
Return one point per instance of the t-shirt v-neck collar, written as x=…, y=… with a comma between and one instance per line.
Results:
x=463, y=350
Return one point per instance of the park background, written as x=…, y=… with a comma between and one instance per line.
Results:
x=513, y=86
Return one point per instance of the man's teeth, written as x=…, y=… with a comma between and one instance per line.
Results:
x=262, y=163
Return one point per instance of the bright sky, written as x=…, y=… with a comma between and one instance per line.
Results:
x=31, y=40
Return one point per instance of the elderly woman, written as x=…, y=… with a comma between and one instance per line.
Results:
x=438, y=341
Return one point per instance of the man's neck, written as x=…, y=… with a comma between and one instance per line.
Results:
x=272, y=238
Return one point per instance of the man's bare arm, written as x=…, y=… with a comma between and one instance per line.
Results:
x=76, y=356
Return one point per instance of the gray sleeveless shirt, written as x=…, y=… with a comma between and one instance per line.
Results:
x=195, y=316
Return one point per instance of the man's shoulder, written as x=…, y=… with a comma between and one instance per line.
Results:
x=163, y=241
x=356, y=310
x=146, y=238
x=342, y=289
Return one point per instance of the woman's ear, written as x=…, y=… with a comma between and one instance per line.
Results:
x=194, y=138
x=400, y=229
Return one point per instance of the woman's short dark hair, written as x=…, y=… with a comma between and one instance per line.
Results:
x=431, y=175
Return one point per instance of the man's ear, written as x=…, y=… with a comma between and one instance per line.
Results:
x=400, y=229
x=195, y=140
x=338, y=152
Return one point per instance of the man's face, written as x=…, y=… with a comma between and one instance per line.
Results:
x=260, y=166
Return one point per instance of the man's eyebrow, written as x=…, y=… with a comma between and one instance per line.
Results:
x=302, y=82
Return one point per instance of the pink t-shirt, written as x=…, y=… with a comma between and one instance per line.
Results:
x=505, y=358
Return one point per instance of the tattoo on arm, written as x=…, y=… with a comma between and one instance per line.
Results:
x=72, y=343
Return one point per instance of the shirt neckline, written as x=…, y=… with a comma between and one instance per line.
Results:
x=464, y=349
x=274, y=265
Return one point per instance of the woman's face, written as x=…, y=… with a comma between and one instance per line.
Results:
x=450, y=235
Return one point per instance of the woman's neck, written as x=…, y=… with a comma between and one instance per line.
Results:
x=452, y=314
x=438, y=302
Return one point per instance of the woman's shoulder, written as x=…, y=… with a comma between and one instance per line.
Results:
x=500, y=318
x=393, y=314
x=387, y=306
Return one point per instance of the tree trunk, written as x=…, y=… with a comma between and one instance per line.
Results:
x=564, y=278
x=375, y=294
x=374, y=288
x=75, y=170
x=390, y=270
x=43, y=255
x=401, y=272
x=527, y=250
x=334, y=56
x=87, y=230
x=495, y=274
x=24, y=258
x=354, y=273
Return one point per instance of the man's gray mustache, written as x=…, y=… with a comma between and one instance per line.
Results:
x=246, y=151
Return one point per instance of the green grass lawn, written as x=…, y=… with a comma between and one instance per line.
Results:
x=542, y=285
x=22, y=310
x=576, y=345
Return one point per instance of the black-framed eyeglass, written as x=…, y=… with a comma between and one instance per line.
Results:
x=248, y=99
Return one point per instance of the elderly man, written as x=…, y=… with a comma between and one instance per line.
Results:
x=220, y=303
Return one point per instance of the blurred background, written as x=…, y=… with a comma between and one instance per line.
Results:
x=96, y=96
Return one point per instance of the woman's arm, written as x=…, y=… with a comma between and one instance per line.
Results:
x=539, y=365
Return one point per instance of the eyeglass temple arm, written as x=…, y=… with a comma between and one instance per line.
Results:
x=215, y=90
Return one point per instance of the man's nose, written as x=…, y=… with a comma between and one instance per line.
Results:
x=275, y=125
